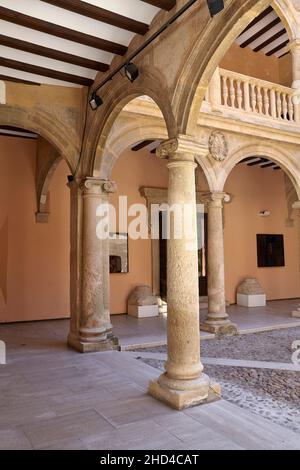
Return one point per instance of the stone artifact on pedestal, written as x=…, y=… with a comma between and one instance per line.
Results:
x=296, y=313
x=251, y=294
x=142, y=303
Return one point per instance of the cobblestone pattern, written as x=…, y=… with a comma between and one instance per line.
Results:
x=271, y=346
x=273, y=394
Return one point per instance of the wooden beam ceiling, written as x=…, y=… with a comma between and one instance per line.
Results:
x=66, y=77
x=260, y=17
x=142, y=145
x=163, y=4
x=6, y=78
x=52, y=53
x=60, y=31
x=260, y=32
x=99, y=14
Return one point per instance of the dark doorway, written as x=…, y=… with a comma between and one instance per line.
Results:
x=202, y=256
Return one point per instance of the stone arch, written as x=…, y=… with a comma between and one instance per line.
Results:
x=287, y=163
x=206, y=53
x=125, y=133
x=62, y=138
x=116, y=98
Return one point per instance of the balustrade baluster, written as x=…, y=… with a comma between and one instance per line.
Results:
x=232, y=93
x=273, y=103
x=239, y=94
x=291, y=114
x=259, y=100
x=224, y=90
x=246, y=97
x=278, y=104
x=253, y=97
x=266, y=102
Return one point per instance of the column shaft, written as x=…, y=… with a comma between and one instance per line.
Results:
x=183, y=384
x=91, y=329
x=217, y=319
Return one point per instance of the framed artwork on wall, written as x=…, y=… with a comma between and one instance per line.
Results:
x=118, y=253
x=270, y=250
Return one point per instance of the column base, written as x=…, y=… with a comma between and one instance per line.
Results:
x=219, y=328
x=181, y=394
x=109, y=344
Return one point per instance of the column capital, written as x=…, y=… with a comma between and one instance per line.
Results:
x=97, y=186
x=294, y=45
x=215, y=198
x=296, y=205
x=182, y=147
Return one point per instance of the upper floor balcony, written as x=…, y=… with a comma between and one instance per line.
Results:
x=251, y=101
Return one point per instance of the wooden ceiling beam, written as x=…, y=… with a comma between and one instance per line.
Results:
x=27, y=21
x=100, y=14
x=276, y=49
x=163, y=4
x=259, y=18
x=6, y=78
x=260, y=32
x=52, y=53
x=258, y=162
x=270, y=40
x=142, y=145
x=66, y=77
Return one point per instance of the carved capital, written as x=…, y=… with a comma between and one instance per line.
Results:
x=182, y=147
x=110, y=187
x=97, y=186
x=215, y=198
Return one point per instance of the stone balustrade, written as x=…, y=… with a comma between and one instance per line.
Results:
x=234, y=91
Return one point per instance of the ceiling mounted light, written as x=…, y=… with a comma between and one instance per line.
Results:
x=95, y=101
x=215, y=6
x=131, y=71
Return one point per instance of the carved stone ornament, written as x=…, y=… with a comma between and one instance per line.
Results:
x=167, y=148
x=218, y=146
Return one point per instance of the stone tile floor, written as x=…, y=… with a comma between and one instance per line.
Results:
x=269, y=392
x=54, y=398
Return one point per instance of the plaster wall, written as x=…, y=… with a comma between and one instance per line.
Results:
x=34, y=258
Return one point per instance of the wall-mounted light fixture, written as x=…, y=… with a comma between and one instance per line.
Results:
x=215, y=6
x=264, y=213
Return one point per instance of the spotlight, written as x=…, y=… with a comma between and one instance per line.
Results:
x=131, y=71
x=215, y=6
x=95, y=101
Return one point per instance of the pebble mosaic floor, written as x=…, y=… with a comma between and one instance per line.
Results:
x=271, y=393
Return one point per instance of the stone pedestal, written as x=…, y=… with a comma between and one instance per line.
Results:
x=142, y=303
x=296, y=313
x=183, y=384
x=217, y=320
x=251, y=294
x=90, y=326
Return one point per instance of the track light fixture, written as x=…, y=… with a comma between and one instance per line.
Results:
x=131, y=71
x=95, y=101
x=215, y=6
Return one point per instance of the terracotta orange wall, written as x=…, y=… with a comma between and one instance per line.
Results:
x=254, y=64
x=34, y=258
x=255, y=189
x=286, y=70
x=133, y=170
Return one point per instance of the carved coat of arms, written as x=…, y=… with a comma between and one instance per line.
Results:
x=218, y=147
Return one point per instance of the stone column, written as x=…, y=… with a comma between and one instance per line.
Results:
x=295, y=51
x=91, y=329
x=183, y=384
x=217, y=321
x=296, y=206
